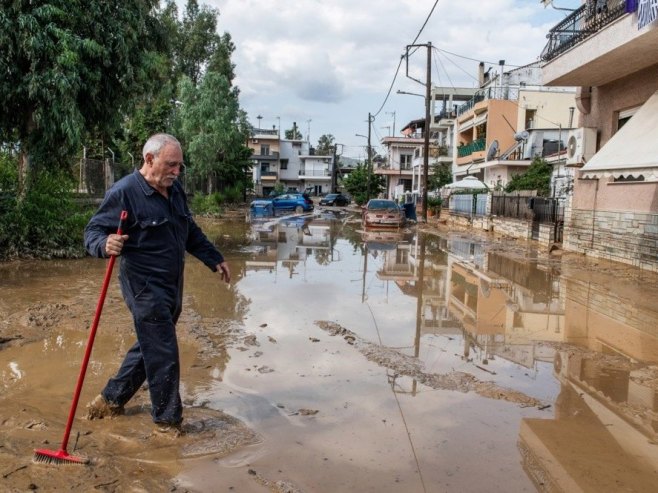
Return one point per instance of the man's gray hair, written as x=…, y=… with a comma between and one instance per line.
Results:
x=156, y=142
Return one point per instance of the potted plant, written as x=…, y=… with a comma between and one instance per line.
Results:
x=434, y=206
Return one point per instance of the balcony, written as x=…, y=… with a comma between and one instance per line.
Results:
x=314, y=173
x=268, y=175
x=468, y=149
x=580, y=25
x=593, y=48
x=272, y=156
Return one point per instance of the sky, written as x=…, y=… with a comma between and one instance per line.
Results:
x=326, y=64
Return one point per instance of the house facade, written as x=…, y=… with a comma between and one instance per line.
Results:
x=265, y=156
x=511, y=120
x=397, y=168
x=610, y=55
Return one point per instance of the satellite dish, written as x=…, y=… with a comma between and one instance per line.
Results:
x=518, y=136
x=492, y=151
x=572, y=143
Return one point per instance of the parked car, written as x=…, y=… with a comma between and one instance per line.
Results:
x=288, y=201
x=383, y=213
x=337, y=199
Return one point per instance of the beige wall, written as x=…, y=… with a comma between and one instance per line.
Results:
x=608, y=100
x=552, y=108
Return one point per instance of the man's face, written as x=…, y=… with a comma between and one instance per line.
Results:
x=166, y=166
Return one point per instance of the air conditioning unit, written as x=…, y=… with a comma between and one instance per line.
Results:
x=581, y=145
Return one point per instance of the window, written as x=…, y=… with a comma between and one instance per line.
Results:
x=405, y=161
x=530, y=118
x=284, y=164
x=265, y=150
x=625, y=115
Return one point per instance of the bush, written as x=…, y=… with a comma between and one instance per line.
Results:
x=207, y=204
x=46, y=222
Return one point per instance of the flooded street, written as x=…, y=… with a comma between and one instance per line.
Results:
x=340, y=360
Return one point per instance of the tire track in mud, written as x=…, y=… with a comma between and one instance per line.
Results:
x=412, y=367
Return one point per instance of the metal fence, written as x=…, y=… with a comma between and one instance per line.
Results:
x=469, y=204
x=514, y=206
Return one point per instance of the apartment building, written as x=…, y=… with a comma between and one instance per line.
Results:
x=609, y=53
x=508, y=122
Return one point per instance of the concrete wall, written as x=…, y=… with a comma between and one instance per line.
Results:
x=625, y=93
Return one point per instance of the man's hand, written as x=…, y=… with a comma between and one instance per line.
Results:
x=224, y=271
x=114, y=244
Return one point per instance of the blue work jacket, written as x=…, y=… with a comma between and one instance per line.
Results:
x=160, y=230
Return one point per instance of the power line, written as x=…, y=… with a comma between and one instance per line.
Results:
x=460, y=68
x=397, y=71
x=425, y=23
x=474, y=59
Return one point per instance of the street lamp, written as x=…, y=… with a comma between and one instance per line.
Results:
x=259, y=118
x=410, y=93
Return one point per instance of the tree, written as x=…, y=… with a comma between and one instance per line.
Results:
x=441, y=175
x=69, y=68
x=215, y=130
x=356, y=184
x=293, y=133
x=325, y=145
x=537, y=177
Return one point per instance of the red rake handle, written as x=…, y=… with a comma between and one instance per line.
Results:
x=92, y=336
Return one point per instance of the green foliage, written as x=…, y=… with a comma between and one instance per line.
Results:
x=325, y=145
x=434, y=202
x=279, y=188
x=47, y=222
x=537, y=177
x=207, y=204
x=440, y=175
x=68, y=67
x=356, y=184
x=215, y=130
x=293, y=134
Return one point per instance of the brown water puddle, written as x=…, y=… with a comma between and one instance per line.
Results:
x=341, y=360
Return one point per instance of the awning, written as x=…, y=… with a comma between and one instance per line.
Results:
x=468, y=183
x=632, y=151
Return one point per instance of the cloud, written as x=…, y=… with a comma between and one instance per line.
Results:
x=333, y=61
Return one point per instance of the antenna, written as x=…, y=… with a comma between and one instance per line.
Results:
x=492, y=151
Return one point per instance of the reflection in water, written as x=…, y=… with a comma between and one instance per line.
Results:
x=573, y=343
x=444, y=305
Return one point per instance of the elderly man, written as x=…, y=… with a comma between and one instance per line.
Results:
x=158, y=232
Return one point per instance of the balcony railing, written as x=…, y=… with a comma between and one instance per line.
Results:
x=314, y=172
x=582, y=23
x=471, y=147
x=510, y=93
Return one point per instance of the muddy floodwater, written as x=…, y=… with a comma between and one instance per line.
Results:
x=343, y=360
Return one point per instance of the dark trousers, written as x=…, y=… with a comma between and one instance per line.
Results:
x=153, y=358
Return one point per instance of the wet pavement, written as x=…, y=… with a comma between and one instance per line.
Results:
x=342, y=360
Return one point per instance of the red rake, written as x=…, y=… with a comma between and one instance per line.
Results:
x=61, y=456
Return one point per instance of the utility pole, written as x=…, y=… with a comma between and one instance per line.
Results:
x=426, y=144
x=370, y=119
x=428, y=99
x=334, y=169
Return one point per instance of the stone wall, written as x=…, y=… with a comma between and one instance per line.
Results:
x=620, y=236
x=516, y=228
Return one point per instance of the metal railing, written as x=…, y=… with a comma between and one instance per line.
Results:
x=314, y=172
x=471, y=147
x=505, y=92
x=582, y=23
x=513, y=206
x=469, y=204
